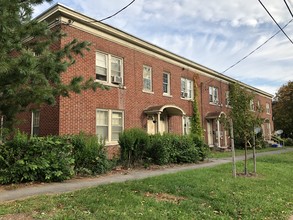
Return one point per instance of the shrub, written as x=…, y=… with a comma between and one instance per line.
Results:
x=172, y=148
x=288, y=142
x=186, y=152
x=36, y=159
x=90, y=154
x=160, y=149
x=202, y=148
x=134, y=145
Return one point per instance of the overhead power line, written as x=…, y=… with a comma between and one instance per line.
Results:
x=288, y=8
x=117, y=11
x=257, y=47
x=275, y=21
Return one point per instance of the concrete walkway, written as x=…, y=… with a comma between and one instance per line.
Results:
x=76, y=184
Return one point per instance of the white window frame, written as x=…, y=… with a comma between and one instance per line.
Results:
x=251, y=105
x=167, y=84
x=35, y=123
x=186, y=125
x=147, y=70
x=186, y=91
x=108, y=66
x=268, y=110
x=227, y=98
x=213, y=95
x=109, y=138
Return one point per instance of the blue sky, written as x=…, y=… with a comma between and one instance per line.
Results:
x=213, y=33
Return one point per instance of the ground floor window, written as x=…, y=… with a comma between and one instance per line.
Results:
x=109, y=124
x=186, y=125
x=35, y=123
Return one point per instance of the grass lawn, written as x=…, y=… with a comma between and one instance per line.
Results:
x=208, y=193
x=238, y=152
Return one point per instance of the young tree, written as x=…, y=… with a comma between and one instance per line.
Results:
x=243, y=118
x=32, y=62
x=283, y=109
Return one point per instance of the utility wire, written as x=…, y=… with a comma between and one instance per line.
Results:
x=275, y=21
x=258, y=47
x=288, y=8
x=117, y=12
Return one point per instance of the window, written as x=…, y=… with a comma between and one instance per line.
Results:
x=213, y=95
x=166, y=83
x=35, y=122
x=109, y=124
x=109, y=68
x=186, y=125
x=186, y=88
x=147, y=79
x=251, y=105
x=227, y=98
x=268, y=108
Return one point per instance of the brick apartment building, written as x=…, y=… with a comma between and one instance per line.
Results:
x=150, y=88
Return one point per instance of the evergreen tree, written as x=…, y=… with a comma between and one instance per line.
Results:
x=31, y=63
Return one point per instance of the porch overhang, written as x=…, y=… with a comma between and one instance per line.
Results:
x=169, y=109
x=214, y=115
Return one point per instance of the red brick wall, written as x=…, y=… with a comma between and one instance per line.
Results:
x=78, y=112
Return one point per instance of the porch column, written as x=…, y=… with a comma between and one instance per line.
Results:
x=225, y=136
x=219, y=133
x=158, y=122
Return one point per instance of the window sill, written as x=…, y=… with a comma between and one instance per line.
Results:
x=120, y=86
x=187, y=99
x=167, y=95
x=149, y=92
x=215, y=104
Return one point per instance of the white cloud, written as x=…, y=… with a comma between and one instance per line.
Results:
x=213, y=33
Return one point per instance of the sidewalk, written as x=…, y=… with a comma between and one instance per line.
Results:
x=76, y=184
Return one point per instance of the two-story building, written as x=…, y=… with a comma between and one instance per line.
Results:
x=150, y=88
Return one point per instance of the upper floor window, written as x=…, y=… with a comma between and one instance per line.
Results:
x=166, y=83
x=109, y=68
x=268, y=108
x=186, y=88
x=35, y=122
x=227, y=98
x=251, y=105
x=109, y=124
x=213, y=95
x=147, y=79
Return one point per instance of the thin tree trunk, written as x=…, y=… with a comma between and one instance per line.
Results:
x=245, y=157
x=233, y=150
x=254, y=154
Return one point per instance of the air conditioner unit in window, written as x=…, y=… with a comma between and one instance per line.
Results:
x=116, y=79
x=184, y=94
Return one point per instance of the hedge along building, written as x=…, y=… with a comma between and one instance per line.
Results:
x=150, y=88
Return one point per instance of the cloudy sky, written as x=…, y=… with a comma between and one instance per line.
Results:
x=213, y=33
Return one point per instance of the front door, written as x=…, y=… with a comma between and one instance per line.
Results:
x=210, y=133
x=163, y=124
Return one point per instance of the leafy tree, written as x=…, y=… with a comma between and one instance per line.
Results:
x=244, y=120
x=32, y=61
x=283, y=109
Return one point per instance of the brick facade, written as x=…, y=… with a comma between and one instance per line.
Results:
x=78, y=113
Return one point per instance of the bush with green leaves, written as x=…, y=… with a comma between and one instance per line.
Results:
x=172, y=148
x=45, y=159
x=202, y=148
x=288, y=142
x=90, y=154
x=134, y=145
